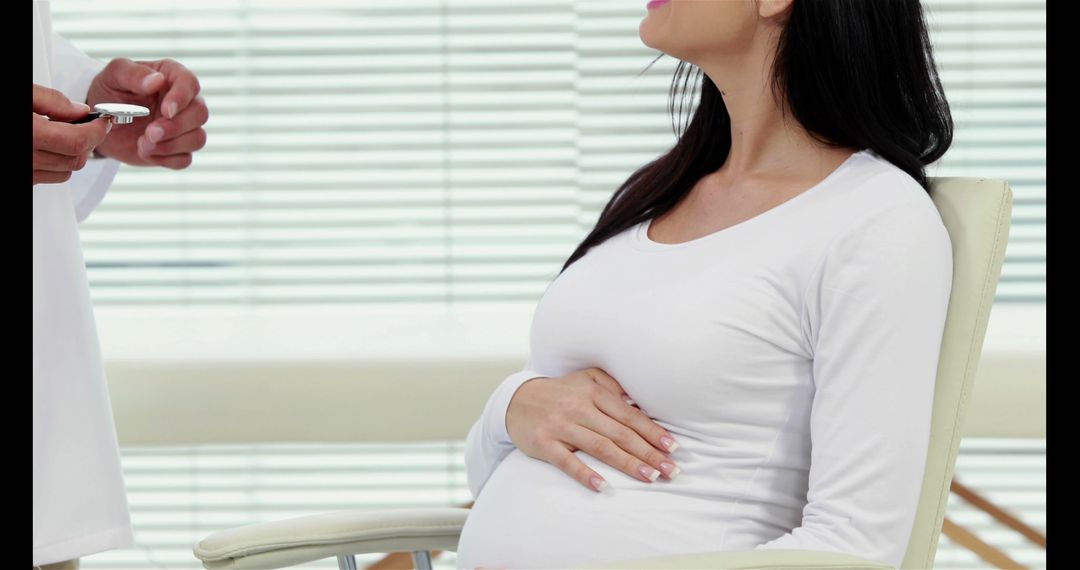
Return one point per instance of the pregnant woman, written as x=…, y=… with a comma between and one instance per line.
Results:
x=742, y=352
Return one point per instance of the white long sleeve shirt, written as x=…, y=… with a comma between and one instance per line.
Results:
x=792, y=356
x=79, y=502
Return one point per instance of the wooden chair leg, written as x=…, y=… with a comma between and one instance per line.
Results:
x=397, y=561
x=983, y=504
x=968, y=540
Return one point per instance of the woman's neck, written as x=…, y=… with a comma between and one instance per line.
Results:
x=765, y=138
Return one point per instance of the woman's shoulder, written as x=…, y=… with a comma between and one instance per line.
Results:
x=892, y=241
x=874, y=191
x=880, y=216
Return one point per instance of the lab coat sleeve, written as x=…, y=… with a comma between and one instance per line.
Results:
x=488, y=442
x=72, y=73
x=875, y=314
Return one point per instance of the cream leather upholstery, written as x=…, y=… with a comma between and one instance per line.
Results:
x=299, y=540
x=977, y=214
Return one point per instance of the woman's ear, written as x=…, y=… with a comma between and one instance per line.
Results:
x=773, y=8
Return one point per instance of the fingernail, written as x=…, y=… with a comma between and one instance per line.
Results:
x=155, y=133
x=629, y=401
x=145, y=146
x=150, y=80
x=670, y=469
x=598, y=483
x=669, y=444
x=82, y=107
x=648, y=472
x=170, y=110
x=108, y=127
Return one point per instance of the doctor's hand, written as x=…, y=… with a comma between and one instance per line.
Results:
x=587, y=410
x=172, y=132
x=61, y=148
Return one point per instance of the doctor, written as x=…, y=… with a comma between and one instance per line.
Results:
x=79, y=502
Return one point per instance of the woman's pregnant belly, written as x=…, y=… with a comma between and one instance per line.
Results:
x=532, y=515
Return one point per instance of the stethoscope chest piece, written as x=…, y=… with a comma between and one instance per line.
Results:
x=121, y=113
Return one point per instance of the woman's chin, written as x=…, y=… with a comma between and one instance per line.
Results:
x=652, y=35
x=644, y=35
x=648, y=37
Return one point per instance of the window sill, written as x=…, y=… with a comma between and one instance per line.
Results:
x=353, y=376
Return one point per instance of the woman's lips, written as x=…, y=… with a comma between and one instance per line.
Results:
x=654, y=4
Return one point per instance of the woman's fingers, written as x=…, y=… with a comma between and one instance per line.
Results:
x=628, y=414
x=638, y=421
x=550, y=420
x=560, y=456
x=604, y=380
x=636, y=456
x=607, y=451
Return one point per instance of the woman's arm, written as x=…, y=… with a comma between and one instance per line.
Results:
x=875, y=317
x=488, y=442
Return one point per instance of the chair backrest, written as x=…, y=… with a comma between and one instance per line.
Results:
x=976, y=213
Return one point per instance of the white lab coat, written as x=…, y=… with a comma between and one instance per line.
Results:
x=80, y=506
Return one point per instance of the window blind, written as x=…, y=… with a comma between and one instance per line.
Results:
x=455, y=151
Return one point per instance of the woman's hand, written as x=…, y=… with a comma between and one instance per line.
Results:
x=587, y=410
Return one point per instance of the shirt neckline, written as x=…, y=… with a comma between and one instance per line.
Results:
x=641, y=232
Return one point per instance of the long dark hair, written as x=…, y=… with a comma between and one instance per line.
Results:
x=854, y=73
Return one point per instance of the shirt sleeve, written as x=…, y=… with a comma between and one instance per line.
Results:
x=875, y=315
x=488, y=442
x=72, y=73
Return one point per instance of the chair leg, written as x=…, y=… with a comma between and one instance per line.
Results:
x=421, y=559
x=968, y=540
x=393, y=561
x=347, y=562
x=983, y=504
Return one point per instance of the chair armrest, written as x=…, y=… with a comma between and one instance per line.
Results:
x=753, y=560
x=290, y=542
x=295, y=541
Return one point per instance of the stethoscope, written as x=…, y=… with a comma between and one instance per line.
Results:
x=118, y=113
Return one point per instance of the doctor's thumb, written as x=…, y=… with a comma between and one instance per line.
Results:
x=56, y=105
x=126, y=75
